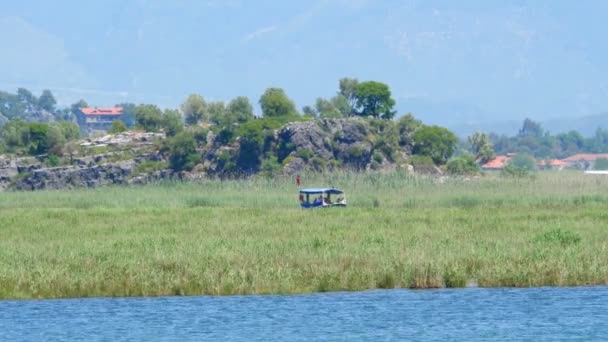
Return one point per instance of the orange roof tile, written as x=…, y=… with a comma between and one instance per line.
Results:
x=101, y=110
x=553, y=162
x=499, y=162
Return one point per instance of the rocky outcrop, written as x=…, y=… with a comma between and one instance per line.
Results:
x=320, y=145
x=130, y=138
x=76, y=176
x=315, y=143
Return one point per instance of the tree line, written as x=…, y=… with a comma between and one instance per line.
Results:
x=187, y=128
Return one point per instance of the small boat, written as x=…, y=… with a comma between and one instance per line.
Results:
x=322, y=198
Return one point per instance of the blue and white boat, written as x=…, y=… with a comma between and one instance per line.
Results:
x=322, y=198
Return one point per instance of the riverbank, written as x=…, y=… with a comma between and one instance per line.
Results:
x=249, y=237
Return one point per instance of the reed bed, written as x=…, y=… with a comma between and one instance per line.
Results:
x=250, y=237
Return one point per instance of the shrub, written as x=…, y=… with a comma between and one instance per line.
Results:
x=52, y=160
x=117, y=127
x=182, y=152
x=378, y=158
x=520, y=166
x=436, y=142
x=417, y=160
x=305, y=154
x=270, y=166
x=463, y=165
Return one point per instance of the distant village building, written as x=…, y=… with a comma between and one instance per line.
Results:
x=98, y=119
x=498, y=162
x=584, y=161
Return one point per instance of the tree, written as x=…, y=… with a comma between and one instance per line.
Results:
x=326, y=109
x=27, y=97
x=463, y=165
x=275, y=103
x=481, y=147
x=374, y=99
x=240, y=109
x=38, y=141
x=341, y=103
x=172, y=122
x=195, y=109
x=182, y=152
x=69, y=129
x=436, y=142
x=148, y=117
x=309, y=111
x=520, y=165
x=117, y=127
x=216, y=112
x=531, y=128
x=406, y=126
x=347, y=87
x=47, y=101
x=55, y=140
x=128, y=113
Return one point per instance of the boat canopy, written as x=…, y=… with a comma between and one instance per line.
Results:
x=332, y=191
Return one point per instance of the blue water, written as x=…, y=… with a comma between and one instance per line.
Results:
x=393, y=315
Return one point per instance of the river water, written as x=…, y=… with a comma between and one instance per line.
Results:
x=392, y=315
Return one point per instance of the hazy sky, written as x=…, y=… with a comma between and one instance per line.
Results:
x=452, y=60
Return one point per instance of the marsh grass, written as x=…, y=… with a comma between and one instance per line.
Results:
x=249, y=236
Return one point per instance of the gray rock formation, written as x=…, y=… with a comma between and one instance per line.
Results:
x=76, y=176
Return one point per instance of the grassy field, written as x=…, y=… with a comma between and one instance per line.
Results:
x=245, y=237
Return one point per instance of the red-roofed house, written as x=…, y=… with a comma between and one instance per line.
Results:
x=99, y=118
x=553, y=164
x=498, y=163
x=584, y=160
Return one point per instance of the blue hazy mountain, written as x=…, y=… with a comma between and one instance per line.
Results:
x=468, y=62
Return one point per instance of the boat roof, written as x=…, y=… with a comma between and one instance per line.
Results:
x=321, y=191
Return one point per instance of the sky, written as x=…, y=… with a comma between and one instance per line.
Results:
x=446, y=61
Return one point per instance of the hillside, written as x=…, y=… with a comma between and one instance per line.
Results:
x=140, y=157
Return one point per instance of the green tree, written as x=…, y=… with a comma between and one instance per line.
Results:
x=216, y=111
x=309, y=111
x=148, y=117
x=27, y=97
x=406, y=126
x=374, y=99
x=436, y=142
x=38, y=143
x=463, y=165
x=195, y=109
x=326, y=109
x=55, y=139
x=128, y=113
x=69, y=129
x=275, y=103
x=240, y=110
x=531, y=128
x=481, y=147
x=182, y=151
x=117, y=127
x=347, y=90
x=172, y=122
x=47, y=101
x=523, y=161
x=342, y=104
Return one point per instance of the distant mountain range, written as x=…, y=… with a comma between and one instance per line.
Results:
x=464, y=119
